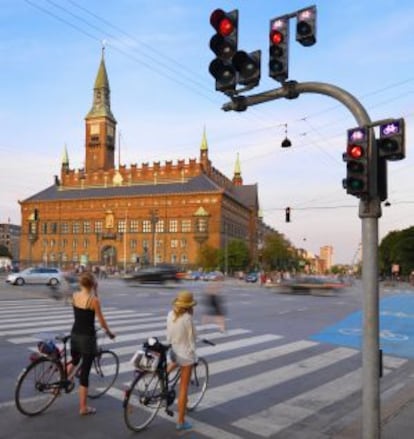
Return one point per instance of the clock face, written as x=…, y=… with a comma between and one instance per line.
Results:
x=95, y=129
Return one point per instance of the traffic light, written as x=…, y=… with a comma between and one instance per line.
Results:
x=279, y=49
x=287, y=214
x=357, y=162
x=306, y=26
x=224, y=45
x=248, y=67
x=391, y=144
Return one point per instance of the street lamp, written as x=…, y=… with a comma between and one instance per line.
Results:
x=154, y=221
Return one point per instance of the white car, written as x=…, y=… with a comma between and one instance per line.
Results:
x=42, y=275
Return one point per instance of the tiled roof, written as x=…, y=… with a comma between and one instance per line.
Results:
x=245, y=195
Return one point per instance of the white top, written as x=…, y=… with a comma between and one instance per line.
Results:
x=181, y=335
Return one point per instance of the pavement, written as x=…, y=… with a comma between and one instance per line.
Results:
x=397, y=416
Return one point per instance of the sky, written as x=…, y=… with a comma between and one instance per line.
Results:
x=157, y=56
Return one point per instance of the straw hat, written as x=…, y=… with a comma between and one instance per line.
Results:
x=184, y=299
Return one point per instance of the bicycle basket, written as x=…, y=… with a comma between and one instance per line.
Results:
x=48, y=348
x=145, y=360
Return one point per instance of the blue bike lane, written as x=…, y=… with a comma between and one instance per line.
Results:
x=396, y=328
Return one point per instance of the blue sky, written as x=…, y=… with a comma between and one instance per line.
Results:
x=157, y=57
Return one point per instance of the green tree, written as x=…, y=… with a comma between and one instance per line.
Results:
x=208, y=258
x=397, y=248
x=278, y=253
x=237, y=256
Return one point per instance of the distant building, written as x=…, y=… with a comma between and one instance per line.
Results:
x=326, y=256
x=127, y=216
x=10, y=238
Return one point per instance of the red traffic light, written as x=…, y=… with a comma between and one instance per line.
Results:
x=276, y=37
x=355, y=151
x=223, y=24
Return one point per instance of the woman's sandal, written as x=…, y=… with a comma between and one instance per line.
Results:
x=88, y=411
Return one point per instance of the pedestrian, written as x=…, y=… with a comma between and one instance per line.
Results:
x=181, y=335
x=86, y=305
x=214, y=307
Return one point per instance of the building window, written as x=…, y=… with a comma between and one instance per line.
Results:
x=158, y=243
x=184, y=259
x=159, y=227
x=64, y=243
x=186, y=225
x=86, y=227
x=52, y=243
x=44, y=228
x=173, y=226
x=75, y=243
x=75, y=257
x=76, y=228
x=122, y=226
x=134, y=226
x=85, y=243
x=174, y=243
x=158, y=258
x=45, y=242
x=183, y=243
x=133, y=243
x=54, y=227
x=98, y=226
x=145, y=244
x=173, y=259
x=146, y=226
x=64, y=228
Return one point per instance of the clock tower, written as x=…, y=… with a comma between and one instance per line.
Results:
x=100, y=126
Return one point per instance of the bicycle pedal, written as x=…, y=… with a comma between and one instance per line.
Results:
x=169, y=412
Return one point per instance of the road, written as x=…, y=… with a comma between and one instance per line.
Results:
x=279, y=371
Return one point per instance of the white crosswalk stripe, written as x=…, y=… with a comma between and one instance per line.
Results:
x=236, y=350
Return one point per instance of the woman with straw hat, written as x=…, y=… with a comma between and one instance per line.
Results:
x=181, y=335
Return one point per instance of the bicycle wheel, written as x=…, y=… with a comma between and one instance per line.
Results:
x=143, y=400
x=104, y=371
x=198, y=384
x=38, y=386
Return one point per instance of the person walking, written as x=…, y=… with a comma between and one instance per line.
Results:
x=214, y=307
x=181, y=335
x=86, y=305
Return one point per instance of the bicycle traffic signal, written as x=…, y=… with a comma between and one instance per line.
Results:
x=248, y=67
x=306, y=26
x=224, y=44
x=391, y=144
x=279, y=49
x=357, y=164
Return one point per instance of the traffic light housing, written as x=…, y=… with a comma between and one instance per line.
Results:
x=306, y=26
x=357, y=162
x=247, y=66
x=224, y=44
x=279, y=49
x=391, y=144
x=287, y=214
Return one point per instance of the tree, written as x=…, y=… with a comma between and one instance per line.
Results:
x=278, y=253
x=208, y=257
x=397, y=248
x=237, y=256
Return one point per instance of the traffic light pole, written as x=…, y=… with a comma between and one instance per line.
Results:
x=369, y=212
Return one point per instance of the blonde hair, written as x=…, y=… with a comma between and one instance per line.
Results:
x=179, y=311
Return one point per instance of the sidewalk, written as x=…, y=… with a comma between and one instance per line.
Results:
x=397, y=416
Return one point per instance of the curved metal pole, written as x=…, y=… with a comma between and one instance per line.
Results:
x=369, y=212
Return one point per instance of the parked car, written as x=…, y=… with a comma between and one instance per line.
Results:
x=157, y=274
x=41, y=275
x=214, y=276
x=252, y=277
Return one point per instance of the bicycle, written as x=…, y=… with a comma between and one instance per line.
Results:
x=46, y=377
x=153, y=386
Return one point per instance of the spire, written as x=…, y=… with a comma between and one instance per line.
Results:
x=65, y=157
x=204, y=145
x=237, y=178
x=101, y=105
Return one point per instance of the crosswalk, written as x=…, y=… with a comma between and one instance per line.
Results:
x=243, y=366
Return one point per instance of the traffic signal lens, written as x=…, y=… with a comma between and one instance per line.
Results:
x=356, y=167
x=276, y=37
x=355, y=184
x=276, y=66
x=226, y=27
x=389, y=145
x=303, y=28
x=355, y=151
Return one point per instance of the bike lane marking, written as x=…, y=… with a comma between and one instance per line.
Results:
x=396, y=318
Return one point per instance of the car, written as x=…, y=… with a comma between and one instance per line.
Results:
x=36, y=275
x=157, y=274
x=214, y=276
x=251, y=277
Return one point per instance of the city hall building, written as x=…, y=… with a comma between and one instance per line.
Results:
x=142, y=214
